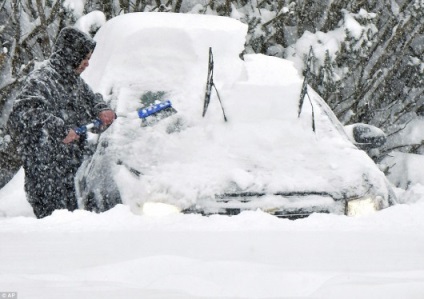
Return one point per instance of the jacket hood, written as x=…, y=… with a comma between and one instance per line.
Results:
x=70, y=48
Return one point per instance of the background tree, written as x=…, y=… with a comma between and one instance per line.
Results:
x=28, y=30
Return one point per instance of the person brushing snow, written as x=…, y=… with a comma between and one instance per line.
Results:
x=53, y=102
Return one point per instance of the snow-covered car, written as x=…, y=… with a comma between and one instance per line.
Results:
x=265, y=156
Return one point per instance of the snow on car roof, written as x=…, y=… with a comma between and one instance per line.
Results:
x=160, y=50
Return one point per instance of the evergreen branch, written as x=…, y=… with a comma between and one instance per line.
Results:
x=400, y=129
x=5, y=92
x=414, y=147
x=3, y=4
x=53, y=14
x=275, y=19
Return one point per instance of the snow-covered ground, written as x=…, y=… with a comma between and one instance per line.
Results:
x=119, y=254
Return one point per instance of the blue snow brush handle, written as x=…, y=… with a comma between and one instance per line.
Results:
x=145, y=112
x=83, y=129
x=142, y=113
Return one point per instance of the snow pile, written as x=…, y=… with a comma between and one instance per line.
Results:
x=12, y=198
x=253, y=255
x=404, y=170
x=155, y=51
x=76, y=7
x=91, y=22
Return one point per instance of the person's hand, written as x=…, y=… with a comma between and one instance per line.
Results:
x=72, y=136
x=107, y=117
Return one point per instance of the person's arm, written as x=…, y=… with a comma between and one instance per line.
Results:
x=97, y=106
x=32, y=114
x=72, y=136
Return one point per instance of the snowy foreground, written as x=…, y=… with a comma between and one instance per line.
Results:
x=118, y=254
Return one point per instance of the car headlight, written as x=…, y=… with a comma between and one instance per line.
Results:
x=361, y=206
x=159, y=209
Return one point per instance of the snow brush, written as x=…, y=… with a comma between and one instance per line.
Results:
x=149, y=116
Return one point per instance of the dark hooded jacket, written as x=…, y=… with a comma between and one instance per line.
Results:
x=54, y=100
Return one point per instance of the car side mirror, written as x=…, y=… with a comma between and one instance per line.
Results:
x=365, y=136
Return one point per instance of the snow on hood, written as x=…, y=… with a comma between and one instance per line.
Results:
x=264, y=147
